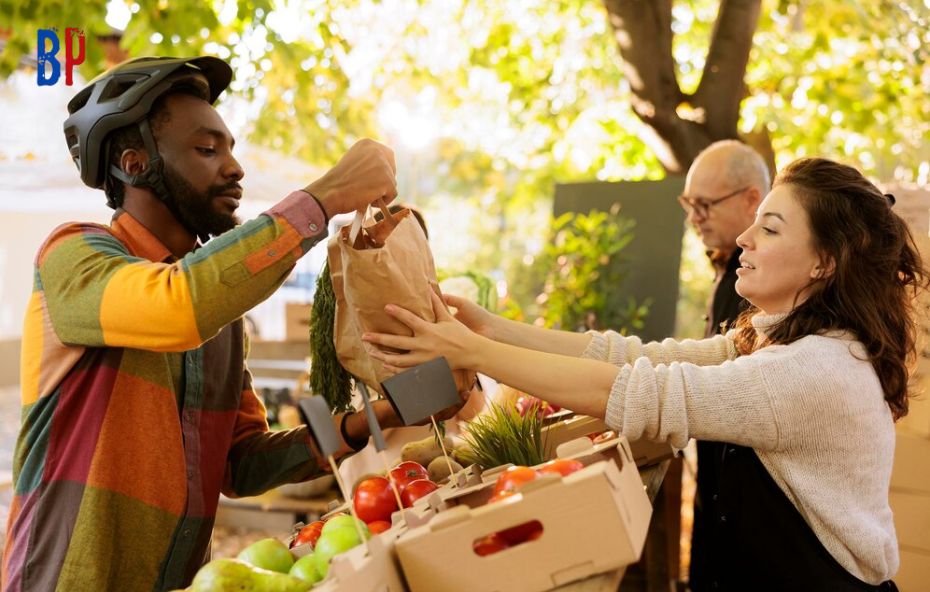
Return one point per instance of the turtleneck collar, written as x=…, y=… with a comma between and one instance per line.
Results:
x=764, y=323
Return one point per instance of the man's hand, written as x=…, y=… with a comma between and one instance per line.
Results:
x=450, y=412
x=365, y=173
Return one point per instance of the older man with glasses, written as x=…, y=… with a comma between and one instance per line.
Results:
x=723, y=189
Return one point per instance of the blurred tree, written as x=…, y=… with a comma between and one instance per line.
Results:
x=492, y=102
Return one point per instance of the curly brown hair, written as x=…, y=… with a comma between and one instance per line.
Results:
x=873, y=288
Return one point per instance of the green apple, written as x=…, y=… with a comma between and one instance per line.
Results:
x=305, y=569
x=344, y=521
x=334, y=542
x=269, y=554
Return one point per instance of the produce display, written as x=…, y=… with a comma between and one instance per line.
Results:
x=529, y=512
x=532, y=528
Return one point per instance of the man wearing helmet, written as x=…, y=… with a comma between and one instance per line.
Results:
x=138, y=410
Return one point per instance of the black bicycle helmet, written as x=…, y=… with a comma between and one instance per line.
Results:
x=124, y=95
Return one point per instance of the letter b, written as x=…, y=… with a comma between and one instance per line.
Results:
x=47, y=57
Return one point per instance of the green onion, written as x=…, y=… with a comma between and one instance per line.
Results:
x=502, y=436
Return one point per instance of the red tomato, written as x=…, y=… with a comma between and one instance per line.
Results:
x=521, y=533
x=378, y=526
x=406, y=472
x=514, y=478
x=308, y=534
x=417, y=489
x=501, y=495
x=374, y=500
x=489, y=544
x=561, y=466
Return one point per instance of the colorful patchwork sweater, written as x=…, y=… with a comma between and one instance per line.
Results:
x=138, y=408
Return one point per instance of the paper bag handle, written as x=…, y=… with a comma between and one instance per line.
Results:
x=361, y=214
x=357, y=224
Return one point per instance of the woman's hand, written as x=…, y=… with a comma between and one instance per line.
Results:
x=471, y=315
x=446, y=337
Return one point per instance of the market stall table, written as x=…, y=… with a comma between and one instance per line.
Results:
x=285, y=511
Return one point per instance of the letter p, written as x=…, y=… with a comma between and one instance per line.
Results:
x=72, y=60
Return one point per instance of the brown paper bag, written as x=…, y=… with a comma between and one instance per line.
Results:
x=388, y=262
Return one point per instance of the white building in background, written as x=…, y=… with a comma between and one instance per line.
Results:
x=40, y=189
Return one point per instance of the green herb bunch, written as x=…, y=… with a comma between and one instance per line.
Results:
x=503, y=436
x=327, y=376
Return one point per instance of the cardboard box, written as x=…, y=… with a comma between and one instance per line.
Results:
x=914, y=574
x=297, y=321
x=371, y=568
x=911, y=454
x=645, y=452
x=594, y=520
x=912, y=519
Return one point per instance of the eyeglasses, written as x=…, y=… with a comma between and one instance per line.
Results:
x=701, y=206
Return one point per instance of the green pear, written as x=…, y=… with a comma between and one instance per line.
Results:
x=269, y=554
x=305, y=569
x=232, y=575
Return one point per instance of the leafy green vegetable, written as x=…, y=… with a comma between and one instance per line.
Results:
x=327, y=376
x=502, y=436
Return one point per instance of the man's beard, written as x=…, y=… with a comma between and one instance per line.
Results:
x=196, y=209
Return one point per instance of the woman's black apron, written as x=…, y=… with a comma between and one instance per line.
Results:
x=759, y=540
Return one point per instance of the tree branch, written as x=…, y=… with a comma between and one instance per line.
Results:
x=643, y=30
x=722, y=88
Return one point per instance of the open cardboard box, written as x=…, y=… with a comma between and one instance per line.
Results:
x=645, y=452
x=594, y=520
x=371, y=568
x=474, y=487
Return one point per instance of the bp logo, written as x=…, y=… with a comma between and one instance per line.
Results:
x=49, y=67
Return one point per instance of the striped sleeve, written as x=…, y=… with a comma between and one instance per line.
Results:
x=99, y=295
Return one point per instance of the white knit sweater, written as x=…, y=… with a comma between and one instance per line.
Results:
x=813, y=411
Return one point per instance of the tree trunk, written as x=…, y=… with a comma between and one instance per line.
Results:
x=643, y=32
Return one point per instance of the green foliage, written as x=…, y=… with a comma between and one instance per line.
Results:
x=847, y=80
x=521, y=95
x=502, y=436
x=582, y=270
x=695, y=282
x=327, y=376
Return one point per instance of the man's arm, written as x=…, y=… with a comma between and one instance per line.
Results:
x=98, y=294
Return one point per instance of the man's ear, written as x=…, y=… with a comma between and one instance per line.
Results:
x=134, y=161
x=753, y=198
x=824, y=269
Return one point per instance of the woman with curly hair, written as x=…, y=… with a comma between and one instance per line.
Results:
x=805, y=389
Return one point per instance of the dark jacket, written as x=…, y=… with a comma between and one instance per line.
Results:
x=724, y=307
